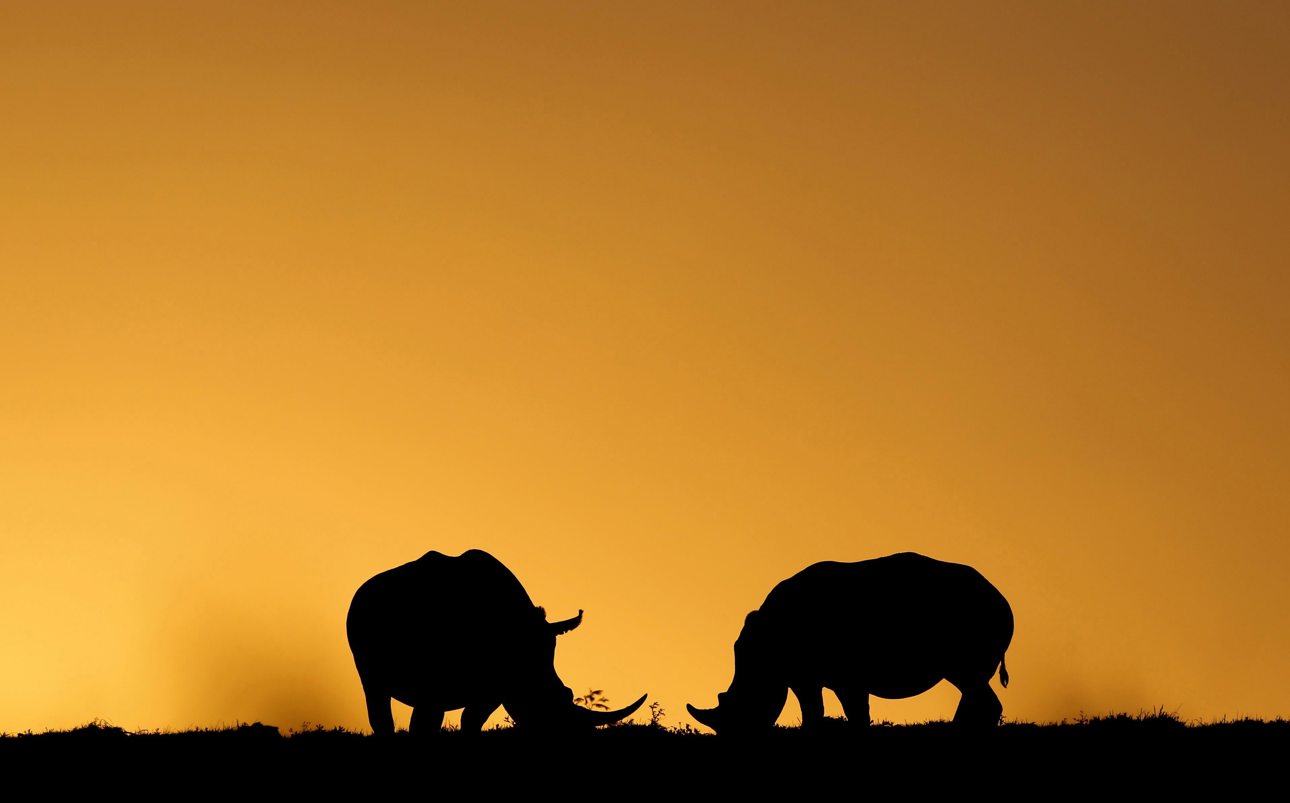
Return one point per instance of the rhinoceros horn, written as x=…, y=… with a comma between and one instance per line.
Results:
x=586, y=716
x=705, y=716
x=562, y=627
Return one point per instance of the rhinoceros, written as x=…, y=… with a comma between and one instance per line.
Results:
x=892, y=627
x=442, y=633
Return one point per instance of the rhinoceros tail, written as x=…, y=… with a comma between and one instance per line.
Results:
x=1003, y=671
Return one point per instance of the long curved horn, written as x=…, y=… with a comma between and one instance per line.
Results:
x=562, y=627
x=589, y=717
x=705, y=716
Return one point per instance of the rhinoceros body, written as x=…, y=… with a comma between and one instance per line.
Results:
x=442, y=633
x=893, y=627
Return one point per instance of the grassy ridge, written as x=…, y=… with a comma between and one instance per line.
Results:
x=1122, y=754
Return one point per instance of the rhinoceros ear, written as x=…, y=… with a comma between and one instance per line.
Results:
x=560, y=628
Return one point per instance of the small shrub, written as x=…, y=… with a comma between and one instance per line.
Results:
x=656, y=714
x=594, y=699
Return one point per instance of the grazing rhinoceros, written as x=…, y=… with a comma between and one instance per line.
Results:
x=442, y=633
x=893, y=627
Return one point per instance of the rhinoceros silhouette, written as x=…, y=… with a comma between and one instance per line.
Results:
x=442, y=633
x=892, y=627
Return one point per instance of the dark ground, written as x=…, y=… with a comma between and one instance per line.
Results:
x=1117, y=757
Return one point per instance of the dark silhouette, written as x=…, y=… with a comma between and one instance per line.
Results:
x=893, y=627
x=442, y=633
x=1143, y=757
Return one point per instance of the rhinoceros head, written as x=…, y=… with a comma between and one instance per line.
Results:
x=757, y=694
x=536, y=696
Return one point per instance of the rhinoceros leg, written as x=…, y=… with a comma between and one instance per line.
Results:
x=425, y=721
x=474, y=716
x=379, y=715
x=811, y=699
x=980, y=706
x=855, y=704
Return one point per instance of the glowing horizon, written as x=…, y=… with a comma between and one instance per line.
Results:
x=658, y=304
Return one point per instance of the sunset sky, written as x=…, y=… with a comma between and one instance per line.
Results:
x=657, y=302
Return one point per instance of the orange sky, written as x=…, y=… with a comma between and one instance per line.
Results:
x=657, y=302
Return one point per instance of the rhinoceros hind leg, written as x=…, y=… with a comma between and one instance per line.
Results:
x=474, y=717
x=979, y=708
x=855, y=704
x=425, y=721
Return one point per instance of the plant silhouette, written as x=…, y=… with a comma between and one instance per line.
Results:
x=594, y=699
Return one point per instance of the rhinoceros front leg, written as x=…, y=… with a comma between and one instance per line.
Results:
x=425, y=721
x=811, y=699
x=474, y=716
x=855, y=704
